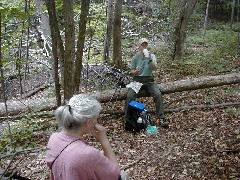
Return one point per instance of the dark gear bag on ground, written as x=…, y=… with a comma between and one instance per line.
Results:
x=139, y=118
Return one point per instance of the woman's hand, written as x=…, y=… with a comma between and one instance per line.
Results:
x=100, y=133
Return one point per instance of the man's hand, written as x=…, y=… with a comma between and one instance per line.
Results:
x=138, y=69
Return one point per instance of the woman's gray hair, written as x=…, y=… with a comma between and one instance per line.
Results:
x=79, y=108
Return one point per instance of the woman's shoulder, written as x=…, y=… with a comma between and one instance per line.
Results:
x=85, y=151
x=86, y=155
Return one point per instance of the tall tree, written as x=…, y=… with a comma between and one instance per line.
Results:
x=80, y=44
x=238, y=19
x=232, y=14
x=185, y=12
x=55, y=34
x=1, y=63
x=206, y=17
x=117, y=48
x=69, y=48
x=68, y=57
x=108, y=37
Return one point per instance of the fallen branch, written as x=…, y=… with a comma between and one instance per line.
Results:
x=119, y=112
x=183, y=108
x=35, y=91
x=30, y=150
x=37, y=115
x=13, y=155
x=132, y=164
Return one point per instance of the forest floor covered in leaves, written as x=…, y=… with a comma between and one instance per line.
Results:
x=199, y=143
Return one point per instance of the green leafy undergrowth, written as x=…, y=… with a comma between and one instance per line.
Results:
x=212, y=53
x=28, y=132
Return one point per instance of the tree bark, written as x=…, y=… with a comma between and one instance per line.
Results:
x=117, y=48
x=238, y=19
x=55, y=39
x=69, y=48
x=2, y=79
x=14, y=107
x=185, y=12
x=232, y=14
x=80, y=44
x=206, y=17
x=45, y=26
x=107, y=40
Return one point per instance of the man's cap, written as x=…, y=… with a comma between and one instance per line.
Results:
x=142, y=40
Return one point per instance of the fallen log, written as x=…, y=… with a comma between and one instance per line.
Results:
x=36, y=90
x=182, y=108
x=176, y=86
x=121, y=112
x=17, y=106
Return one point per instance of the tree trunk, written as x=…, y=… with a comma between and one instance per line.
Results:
x=232, y=14
x=46, y=27
x=15, y=107
x=19, y=63
x=44, y=22
x=69, y=48
x=107, y=41
x=3, y=93
x=80, y=44
x=205, y=19
x=238, y=21
x=185, y=12
x=26, y=69
x=117, y=48
x=54, y=36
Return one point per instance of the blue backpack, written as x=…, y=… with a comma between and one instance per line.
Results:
x=139, y=118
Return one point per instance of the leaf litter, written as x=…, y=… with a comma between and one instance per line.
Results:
x=199, y=144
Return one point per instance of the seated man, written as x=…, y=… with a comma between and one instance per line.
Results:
x=142, y=67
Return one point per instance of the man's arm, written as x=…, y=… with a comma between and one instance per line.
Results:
x=134, y=70
x=153, y=62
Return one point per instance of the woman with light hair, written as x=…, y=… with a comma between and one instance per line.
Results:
x=69, y=156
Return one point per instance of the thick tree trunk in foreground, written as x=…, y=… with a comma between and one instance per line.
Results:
x=15, y=107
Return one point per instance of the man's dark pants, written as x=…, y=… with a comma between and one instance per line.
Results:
x=153, y=91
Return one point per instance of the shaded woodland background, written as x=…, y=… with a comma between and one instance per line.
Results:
x=51, y=50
